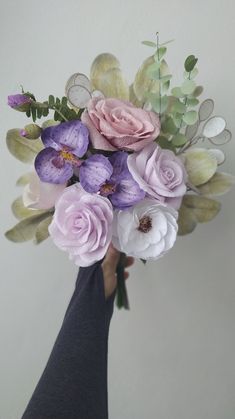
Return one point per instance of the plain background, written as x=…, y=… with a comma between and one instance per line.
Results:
x=173, y=355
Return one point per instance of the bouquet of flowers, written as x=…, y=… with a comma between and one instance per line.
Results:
x=132, y=165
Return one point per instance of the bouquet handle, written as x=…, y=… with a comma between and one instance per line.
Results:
x=122, y=300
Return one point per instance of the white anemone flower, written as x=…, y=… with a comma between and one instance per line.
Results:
x=147, y=230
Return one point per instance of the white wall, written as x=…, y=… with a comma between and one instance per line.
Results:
x=172, y=356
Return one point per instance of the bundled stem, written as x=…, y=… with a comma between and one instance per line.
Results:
x=122, y=300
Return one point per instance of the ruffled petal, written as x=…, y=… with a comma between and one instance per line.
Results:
x=94, y=172
x=51, y=167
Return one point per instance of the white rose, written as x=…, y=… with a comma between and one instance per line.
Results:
x=147, y=230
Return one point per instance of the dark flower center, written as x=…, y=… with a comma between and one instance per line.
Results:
x=107, y=189
x=145, y=224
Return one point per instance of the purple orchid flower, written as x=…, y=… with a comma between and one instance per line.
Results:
x=20, y=102
x=111, y=178
x=64, y=144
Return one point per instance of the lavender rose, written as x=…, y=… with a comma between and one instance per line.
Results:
x=115, y=124
x=160, y=173
x=82, y=225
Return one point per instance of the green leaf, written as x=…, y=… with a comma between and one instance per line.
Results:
x=192, y=101
x=165, y=87
x=198, y=91
x=190, y=63
x=160, y=104
x=168, y=126
x=42, y=232
x=192, y=74
x=24, y=179
x=25, y=229
x=166, y=78
x=20, y=211
x=149, y=44
x=160, y=53
x=164, y=143
x=179, y=107
x=190, y=117
x=188, y=87
x=177, y=92
x=34, y=113
x=179, y=140
x=20, y=147
x=219, y=184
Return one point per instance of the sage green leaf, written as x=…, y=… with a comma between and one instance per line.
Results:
x=190, y=117
x=198, y=91
x=187, y=221
x=165, y=143
x=160, y=53
x=188, y=87
x=25, y=229
x=200, y=165
x=132, y=97
x=159, y=104
x=192, y=101
x=42, y=232
x=100, y=65
x=24, y=179
x=219, y=184
x=149, y=44
x=192, y=74
x=179, y=107
x=177, y=92
x=165, y=87
x=112, y=84
x=168, y=126
x=190, y=63
x=179, y=140
x=33, y=131
x=143, y=85
x=22, y=148
x=204, y=209
x=20, y=211
x=49, y=123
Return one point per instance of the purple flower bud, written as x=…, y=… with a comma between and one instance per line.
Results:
x=19, y=102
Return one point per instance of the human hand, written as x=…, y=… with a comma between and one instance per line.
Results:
x=109, y=267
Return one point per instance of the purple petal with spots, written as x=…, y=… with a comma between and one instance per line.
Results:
x=51, y=167
x=127, y=194
x=71, y=135
x=94, y=172
x=120, y=168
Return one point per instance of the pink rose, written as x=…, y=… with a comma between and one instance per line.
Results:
x=41, y=195
x=160, y=173
x=82, y=225
x=115, y=124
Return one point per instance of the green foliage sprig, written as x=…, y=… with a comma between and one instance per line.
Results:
x=62, y=112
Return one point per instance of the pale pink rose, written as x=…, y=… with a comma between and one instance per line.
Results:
x=41, y=195
x=160, y=173
x=82, y=225
x=116, y=124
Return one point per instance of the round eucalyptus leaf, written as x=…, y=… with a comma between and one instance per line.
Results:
x=179, y=140
x=23, y=149
x=190, y=63
x=78, y=96
x=206, y=109
x=188, y=87
x=192, y=101
x=177, y=92
x=223, y=138
x=198, y=91
x=214, y=126
x=191, y=130
x=190, y=117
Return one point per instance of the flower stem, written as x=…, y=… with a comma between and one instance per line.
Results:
x=122, y=297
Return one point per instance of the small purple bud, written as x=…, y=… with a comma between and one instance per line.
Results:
x=19, y=102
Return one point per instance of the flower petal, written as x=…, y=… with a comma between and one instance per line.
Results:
x=94, y=172
x=72, y=135
x=51, y=168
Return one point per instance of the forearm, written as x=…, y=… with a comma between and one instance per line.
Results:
x=74, y=382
